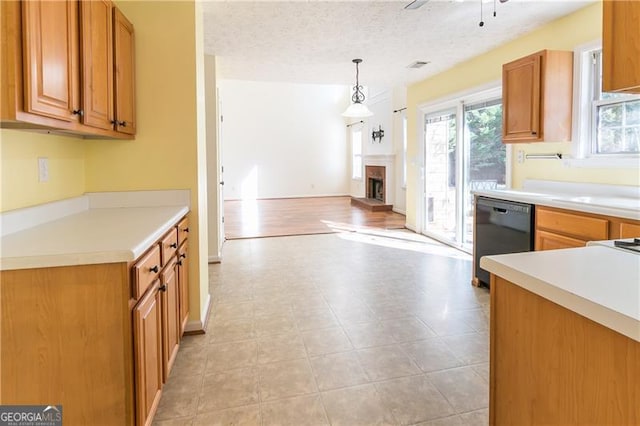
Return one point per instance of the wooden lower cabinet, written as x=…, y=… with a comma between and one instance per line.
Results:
x=170, y=297
x=149, y=359
x=98, y=339
x=551, y=366
x=559, y=228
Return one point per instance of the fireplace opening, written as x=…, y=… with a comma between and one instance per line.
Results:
x=375, y=183
x=376, y=189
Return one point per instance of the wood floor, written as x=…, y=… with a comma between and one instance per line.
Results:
x=301, y=216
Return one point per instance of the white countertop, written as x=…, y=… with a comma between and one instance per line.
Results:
x=90, y=235
x=597, y=282
x=609, y=200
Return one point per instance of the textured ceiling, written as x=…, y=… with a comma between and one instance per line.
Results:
x=315, y=41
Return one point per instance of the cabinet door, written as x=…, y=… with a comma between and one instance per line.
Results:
x=124, y=42
x=521, y=99
x=620, y=46
x=183, y=284
x=50, y=57
x=147, y=342
x=170, y=314
x=97, y=63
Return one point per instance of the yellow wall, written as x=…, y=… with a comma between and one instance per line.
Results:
x=566, y=33
x=164, y=154
x=19, y=152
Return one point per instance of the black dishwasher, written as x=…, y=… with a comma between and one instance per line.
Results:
x=501, y=227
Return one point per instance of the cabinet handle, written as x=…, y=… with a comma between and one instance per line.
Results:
x=78, y=112
x=534, y=133
x=163, y=287
x=173, y=245
x=179, y=262
x=185, y=229
x=183, y=255
x=122, y=123
x=154, y=269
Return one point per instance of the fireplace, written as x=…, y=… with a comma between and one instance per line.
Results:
x=375, y=182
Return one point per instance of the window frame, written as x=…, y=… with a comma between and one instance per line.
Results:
x=585, y=130
x=359, y=176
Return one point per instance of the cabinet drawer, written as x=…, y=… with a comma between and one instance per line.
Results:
x=629, y=230
x=145, y=271
x=169, y=245
x=584, y=227
x=183, y=230
x=550, y=241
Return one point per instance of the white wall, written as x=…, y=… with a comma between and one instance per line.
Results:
x=213, y=171
x=399, y=101
x=283, y=139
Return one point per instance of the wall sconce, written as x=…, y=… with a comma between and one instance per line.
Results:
x=378, y=134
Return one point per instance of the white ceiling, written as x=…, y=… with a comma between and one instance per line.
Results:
x=314, y=41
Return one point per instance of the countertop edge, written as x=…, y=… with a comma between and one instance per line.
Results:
x=548, y=200
x=609, y=318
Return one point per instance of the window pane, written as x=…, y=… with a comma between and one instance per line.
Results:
x=610, y=140
x=632, y=113
x=632, y=139
x=610, y=115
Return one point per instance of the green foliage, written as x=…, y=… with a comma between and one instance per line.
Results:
x=488, y=153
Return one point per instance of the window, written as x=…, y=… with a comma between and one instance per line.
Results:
x=607, y=124
x=356, y=153
x=616, y=117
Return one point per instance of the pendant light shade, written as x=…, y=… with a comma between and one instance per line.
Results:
x=357, y=109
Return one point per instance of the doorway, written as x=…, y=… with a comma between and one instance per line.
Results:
x=463, y=152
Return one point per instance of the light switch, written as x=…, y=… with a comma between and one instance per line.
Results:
x=43, y=169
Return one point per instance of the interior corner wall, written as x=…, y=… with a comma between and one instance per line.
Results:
x=167, y=152
x=19, y=153
x=283, y=140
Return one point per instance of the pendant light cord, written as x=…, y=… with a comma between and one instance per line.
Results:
x=481, y=21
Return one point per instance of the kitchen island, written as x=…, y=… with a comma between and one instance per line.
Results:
x=565, y=337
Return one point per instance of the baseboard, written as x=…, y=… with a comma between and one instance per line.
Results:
x=410, y=227
x=215, y=259
x=200, y=326
x=402, y=212
x=293, y=197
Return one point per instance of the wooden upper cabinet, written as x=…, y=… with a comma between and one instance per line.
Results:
x=51, y=59
x=97, y=63
x=67, y=66
x=537, y=95
x=621, y=46
x=124, y=42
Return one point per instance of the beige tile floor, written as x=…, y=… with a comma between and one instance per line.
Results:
x=340, y=329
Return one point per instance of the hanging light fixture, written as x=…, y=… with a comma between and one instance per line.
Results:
x=357, y=109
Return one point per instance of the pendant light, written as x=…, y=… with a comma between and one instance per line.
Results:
x=357, y=109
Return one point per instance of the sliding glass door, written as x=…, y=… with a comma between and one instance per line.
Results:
x=463, y=153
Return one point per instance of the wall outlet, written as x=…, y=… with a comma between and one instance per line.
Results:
x=43, y=169
x=520, y=156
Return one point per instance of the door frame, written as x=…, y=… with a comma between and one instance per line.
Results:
x=458, y=100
